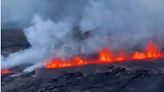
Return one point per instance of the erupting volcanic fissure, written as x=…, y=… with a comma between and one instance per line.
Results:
x=6, y=71
x=106, y=56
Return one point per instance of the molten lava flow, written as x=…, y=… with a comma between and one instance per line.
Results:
x=106, y=56
x=122, y=56
x=59, y=63
x=152, y=52
x=6, y=71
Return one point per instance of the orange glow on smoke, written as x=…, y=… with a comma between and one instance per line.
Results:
x=6, y=71
x=106, y=56
x=122, y=56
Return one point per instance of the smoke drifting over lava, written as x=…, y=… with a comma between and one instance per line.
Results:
x=100, y=24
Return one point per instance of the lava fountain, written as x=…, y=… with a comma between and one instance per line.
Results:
x=106, y=56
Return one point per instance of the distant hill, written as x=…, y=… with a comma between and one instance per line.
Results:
x=13, y=39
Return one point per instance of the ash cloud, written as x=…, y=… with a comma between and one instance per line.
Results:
x=109, y=23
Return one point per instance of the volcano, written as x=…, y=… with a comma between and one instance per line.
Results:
x=138, y=71
x=82, y=46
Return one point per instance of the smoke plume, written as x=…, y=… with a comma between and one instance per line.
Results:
x=90, y=27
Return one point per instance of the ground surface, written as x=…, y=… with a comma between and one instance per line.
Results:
x=110, y=78
x=125, y=77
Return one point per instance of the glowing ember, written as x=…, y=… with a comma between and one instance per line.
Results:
x=6, y=71
x=106, y=56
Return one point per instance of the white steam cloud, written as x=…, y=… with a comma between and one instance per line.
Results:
x=109, y=23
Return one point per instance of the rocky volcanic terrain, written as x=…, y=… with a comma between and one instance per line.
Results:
x=13, y=40
x=112, y=78
x=126, y=77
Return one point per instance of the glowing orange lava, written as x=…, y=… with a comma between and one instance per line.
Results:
x=152, y=52
x=6, y=71
x=106, y=56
